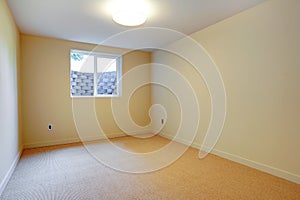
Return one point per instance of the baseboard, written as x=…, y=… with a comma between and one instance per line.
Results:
x=10, y=172
x=81, y=139
x=50, y=143
x=259, y=166
x=71, y=140
x=179, y=140
x=250, y=163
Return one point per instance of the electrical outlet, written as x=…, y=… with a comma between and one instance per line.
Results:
x=50, y=127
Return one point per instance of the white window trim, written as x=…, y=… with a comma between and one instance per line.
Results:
x=119, y=73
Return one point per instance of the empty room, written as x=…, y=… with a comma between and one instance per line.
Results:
x=149, y=99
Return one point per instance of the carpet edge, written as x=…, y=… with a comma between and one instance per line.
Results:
x=244, y=161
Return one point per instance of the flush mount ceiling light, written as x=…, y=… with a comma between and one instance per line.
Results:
x=130, y=12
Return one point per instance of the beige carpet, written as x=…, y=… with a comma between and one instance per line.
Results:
x=70, y=172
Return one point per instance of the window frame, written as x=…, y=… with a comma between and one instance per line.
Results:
x=119, y=66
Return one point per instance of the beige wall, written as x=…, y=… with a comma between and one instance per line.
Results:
x=170, y=100
x=46, y=97
x=10, y=132
x=257, y=52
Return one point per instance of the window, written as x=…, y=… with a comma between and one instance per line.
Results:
x=95, y=74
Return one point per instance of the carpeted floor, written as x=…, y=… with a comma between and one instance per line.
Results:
x=69, y=172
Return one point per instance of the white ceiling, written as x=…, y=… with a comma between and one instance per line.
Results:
x=90, y=21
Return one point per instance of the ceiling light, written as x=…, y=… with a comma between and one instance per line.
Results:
x=130, y=12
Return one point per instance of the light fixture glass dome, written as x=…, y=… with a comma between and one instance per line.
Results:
x=130, y=12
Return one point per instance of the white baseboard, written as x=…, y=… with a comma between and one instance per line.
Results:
x=81, y=139
x=50, y=143
x=179, y=140
x=250, y=163
x=71, y=140
x=78, y=139
x=10, y=172
x=259, y=166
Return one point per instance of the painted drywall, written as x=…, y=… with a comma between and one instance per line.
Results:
x=163, y=94
x=10, y=131
x=46, y=94
x=257, y=52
